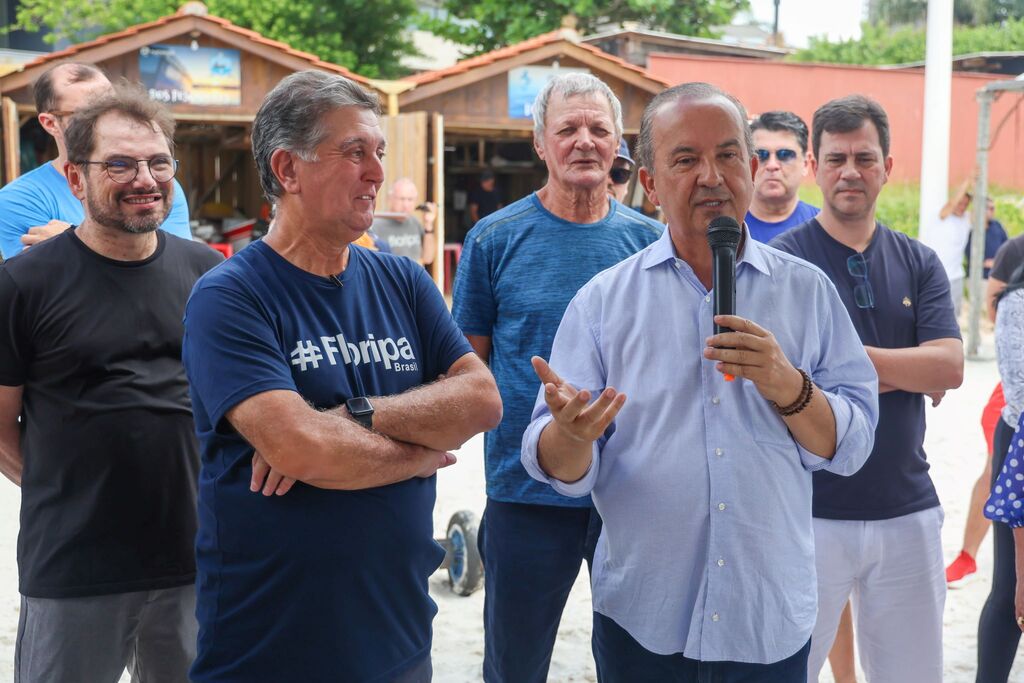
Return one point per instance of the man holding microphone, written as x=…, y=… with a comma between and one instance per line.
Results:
x=705, y=564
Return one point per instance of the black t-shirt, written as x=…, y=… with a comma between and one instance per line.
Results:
x=912, y=306
x=488, y=202
x=1009, y=256
x=108, y=490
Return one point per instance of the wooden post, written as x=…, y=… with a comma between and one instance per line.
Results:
x=11, y=139
x=437, y=156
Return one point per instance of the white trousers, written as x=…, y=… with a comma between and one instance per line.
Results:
x=893, y=571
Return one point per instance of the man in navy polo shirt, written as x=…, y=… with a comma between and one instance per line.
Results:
x=877, y=532
x=319, y=361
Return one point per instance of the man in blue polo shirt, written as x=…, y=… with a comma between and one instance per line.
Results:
x=877, y=533
x=319, y=361
x=780, y=142
x=520, y=267
x=39, y=204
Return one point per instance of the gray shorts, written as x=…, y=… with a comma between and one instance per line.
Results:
x=151, y=633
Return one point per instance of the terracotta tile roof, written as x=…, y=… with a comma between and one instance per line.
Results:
x=223, y=23
x=525, y=46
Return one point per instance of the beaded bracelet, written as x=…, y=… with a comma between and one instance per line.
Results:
x=801, y=401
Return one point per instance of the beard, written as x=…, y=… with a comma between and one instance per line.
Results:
x=110, y=214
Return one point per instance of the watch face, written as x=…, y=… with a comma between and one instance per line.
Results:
x=359, y=405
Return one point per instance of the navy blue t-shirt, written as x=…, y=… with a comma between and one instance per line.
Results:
x=763, y=231
x=912, y=306
x=316, y=585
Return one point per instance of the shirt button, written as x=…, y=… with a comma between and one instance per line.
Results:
x=714, y=617
x=716, y=400
x=721, y=506
x=721, y=562
x=718, y=452
x=707, y=298
x=676, y=264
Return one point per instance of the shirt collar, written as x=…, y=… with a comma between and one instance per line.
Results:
x=753, y=252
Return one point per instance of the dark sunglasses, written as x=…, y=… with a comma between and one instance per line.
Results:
x=620, y=176
x=783, y=155
x=857, y=265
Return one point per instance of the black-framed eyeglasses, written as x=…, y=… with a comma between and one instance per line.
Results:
x=124, y=170
x=857, y=265
x=620, y=176
x=784, y=155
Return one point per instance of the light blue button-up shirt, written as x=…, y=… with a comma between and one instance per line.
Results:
x=707, y=547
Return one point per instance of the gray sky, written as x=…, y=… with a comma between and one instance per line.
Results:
x=800, y=19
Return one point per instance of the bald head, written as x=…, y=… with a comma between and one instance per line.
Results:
x=403, y=196
x=690, y=92
x=50, y=87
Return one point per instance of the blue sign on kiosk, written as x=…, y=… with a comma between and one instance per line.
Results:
x=525, y=83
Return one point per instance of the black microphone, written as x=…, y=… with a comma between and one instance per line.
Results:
x=335, y=280
x=724, y=235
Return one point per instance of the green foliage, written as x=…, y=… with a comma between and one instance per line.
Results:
x=879, y=44
x=899, y=204
x=973, y=12
x=366, y=36
x=488, y=24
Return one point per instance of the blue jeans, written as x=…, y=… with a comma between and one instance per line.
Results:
x=532, y=556
x=620, y=659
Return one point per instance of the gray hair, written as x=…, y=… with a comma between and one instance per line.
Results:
x=685, y=91
x=574, y=84
x=292, y=118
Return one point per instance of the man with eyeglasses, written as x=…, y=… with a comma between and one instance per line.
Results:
x=39, y=204
x=105, y=452
x=877, y=533
x=780, y=142
x=621, y=172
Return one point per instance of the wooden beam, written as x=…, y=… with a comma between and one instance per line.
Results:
x=437, y=155
x=108, y=50
x=468, y=78
x=600, y=64
x=11, y=139
x=177, y=26
x=224, y=174
x=201, y=117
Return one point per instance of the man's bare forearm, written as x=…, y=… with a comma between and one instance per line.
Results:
x=366, y=460
x=562, y=457
x=921, y=369
x=429, y=251
x=11, y=462
x=814, y=427
x=325, y=449
x=445, y=414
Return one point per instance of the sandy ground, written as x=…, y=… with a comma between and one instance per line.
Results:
x=956, y=450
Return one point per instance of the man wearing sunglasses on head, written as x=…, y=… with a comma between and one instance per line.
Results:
x=39, y=204
x=105, y=452
x=621, y=172
x=780, y=142
x=879, y=529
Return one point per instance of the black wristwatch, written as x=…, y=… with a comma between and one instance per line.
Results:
x=362, y=410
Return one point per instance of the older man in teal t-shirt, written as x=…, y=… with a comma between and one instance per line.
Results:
x=520, y=267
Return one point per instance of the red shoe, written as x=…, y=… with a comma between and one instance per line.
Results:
x=959, y=569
